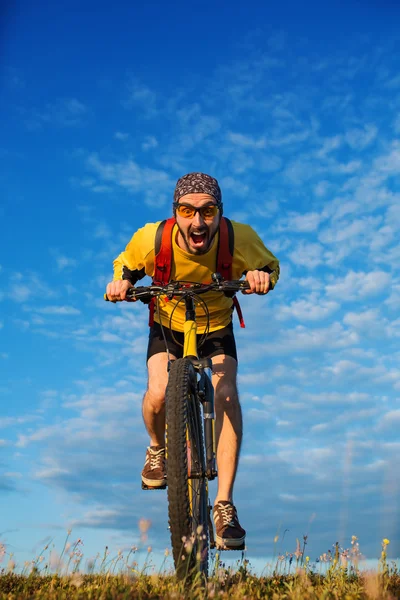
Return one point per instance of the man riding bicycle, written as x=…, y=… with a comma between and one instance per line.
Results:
x=195, y=243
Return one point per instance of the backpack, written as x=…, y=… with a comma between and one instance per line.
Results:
x=163, y=258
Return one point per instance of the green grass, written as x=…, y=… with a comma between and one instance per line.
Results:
x=292, y=576
x=225, y=584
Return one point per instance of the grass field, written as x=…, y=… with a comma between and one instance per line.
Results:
x=292, y=576
x=299, y=586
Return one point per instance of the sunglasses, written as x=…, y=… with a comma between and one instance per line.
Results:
x=187, y=211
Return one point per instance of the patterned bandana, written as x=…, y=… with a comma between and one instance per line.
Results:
x=194, y=183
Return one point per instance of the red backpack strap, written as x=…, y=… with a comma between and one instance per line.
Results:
x=163, y=251
x=226, y=246
x=239, y=311
x=162, y=258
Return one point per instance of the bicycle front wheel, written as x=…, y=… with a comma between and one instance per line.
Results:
x=186, y=473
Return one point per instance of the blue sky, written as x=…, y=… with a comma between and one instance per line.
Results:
x=296, y=110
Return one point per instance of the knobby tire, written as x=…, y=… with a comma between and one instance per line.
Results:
x=188, y=520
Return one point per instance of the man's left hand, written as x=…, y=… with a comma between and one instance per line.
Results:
x=258, y=281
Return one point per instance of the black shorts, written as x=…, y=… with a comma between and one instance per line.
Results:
x=221, y=341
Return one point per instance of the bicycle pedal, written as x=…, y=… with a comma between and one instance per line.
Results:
x=150, y=487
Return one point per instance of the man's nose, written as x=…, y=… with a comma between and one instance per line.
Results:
x=198, y=219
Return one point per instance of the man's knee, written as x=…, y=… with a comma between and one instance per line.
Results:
x=155, y=396
x=157, y=382
x=226, y=397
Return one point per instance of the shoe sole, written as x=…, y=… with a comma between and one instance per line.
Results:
x=155, y=484
x=230, y=544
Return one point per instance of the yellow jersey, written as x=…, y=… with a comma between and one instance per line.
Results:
x=249, y=254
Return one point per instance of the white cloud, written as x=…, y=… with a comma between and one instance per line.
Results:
x=196, y=132
x=51, y=472
x=11, y=421
x=119, y=135
x=347, y=231
x=320, y=427
x=27, y=285
x=21, y=324
x=368, y=319
x=289, y=497
x=58, y=310
x=358, y=139
x=290, y=139
x=103, y=403
x=301, y=340
x=245, y=141
x=393, y=82
x=308, y=255
x=301, y=223
x=234, y=185
x=311, y=309
x=376, y=465
x=382, y=237
x=109, y=337
x=347, y=168
x=388, y=164
x=342, y=367
x=322, y=188
x=330, y=144
x=335, y=398
x=396, y=124
x=91, y=184
x=257, y=414
x=391, y=419
x=312, y=284
x=101, y=231
x=141, y=96
x=393, y=301
x=149, y=143
x=339, y=207
x=270, y=163
x=63, y=262
x=151, y=183
x=392, y=216
x=359, y=285
x=65, y=112
x=97, y=517
x=21, y=292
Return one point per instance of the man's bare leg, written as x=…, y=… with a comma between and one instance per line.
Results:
x=153, y=407
x=228, y=424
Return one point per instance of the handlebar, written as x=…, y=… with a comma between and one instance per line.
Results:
x=184, y=288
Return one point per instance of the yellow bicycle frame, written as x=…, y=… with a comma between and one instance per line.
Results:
x=190, y=338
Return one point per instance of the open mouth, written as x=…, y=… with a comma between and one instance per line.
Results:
x=198, y=238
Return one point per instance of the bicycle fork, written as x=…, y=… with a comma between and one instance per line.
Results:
x=206, y=396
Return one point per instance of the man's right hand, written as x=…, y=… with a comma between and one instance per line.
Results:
x=116, y=290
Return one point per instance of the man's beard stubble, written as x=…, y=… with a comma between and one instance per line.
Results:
x=199, y=251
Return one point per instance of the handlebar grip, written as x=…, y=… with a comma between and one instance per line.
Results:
x=130, y=297
x=107, y=299
x=140, y=289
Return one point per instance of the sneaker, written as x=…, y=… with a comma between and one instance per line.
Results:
x=229, y=535
x=153, y=474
